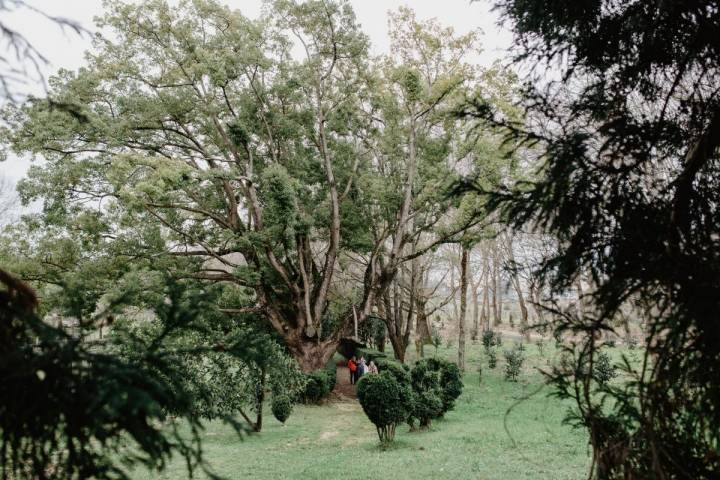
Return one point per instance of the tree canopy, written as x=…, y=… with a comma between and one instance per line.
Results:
x=202, y=145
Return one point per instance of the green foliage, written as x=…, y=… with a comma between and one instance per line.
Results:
x=221, y=385
x=488, y=339
x=72, y=407
x=318, y=385
x=634, y=96
x=492, y=357
x=400, y=371
x=386, y=402
x=603, y=368
x=436, y=338
x=281, y=407
x=450, y=380
x=540, y=342
x=491, y=339
x=513, y=364
x=428, y=393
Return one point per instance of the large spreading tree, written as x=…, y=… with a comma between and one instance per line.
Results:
x=274, y=155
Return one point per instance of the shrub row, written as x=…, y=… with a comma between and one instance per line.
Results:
x=398, y=394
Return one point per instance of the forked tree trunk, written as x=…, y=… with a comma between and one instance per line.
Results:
x=310, y=354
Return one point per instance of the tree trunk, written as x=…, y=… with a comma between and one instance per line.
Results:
x=476, y=311
x=485, y=315
x=310, y=354
x=515, y=280
x=495, y=286
x=535, y=299
x=463, y=307
x=523, y=309
x=422, y=327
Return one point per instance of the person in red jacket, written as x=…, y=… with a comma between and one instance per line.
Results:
x=352, y=366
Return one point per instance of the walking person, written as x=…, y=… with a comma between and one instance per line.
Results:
x=352, y=366
x=361, y=368
x=372, y=368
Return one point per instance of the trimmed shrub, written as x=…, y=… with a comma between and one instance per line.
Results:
x=513, y=363
x=281, y=407
x=400, y=371
x=427, y=394
x=450, y=381
x=319, y=385
x=386, y=402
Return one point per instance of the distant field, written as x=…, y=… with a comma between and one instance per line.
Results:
x=336, y=441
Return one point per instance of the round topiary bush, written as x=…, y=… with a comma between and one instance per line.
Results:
x=385, y=401
x=281, y=407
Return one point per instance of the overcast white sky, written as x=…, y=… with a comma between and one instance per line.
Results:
x=65, y=50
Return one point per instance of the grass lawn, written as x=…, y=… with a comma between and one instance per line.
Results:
x=337, y=441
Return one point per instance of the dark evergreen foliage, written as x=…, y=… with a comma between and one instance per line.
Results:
x=281, y=407
x=630, y=187
x=69, y=409
x=428, y=393
x=385, y=401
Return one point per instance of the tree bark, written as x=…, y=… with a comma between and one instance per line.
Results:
x=463, y=307
x=476, y=310
x=485, y=315
x=495, y=286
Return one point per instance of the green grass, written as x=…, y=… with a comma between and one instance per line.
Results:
x=476, y=440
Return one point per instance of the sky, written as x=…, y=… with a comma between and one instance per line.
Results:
x=66, y=50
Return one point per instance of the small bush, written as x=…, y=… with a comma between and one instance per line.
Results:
x=492, y=358
x=603, y=369
x=450, y=380
x=281, y=407
x=427, y=393
x=520, y=346
x=488, y=339
x=513, y=363
x=610, y=343
x=540, y=346
x=319, y=385
x=386, y=402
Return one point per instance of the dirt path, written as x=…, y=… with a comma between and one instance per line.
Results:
x=343, y=388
